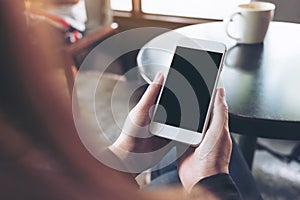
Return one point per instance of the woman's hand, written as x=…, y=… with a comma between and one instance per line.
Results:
x=213, y=154
x=136, y=147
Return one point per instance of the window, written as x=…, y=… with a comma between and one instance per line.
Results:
x=123, y=5
x=206, y=9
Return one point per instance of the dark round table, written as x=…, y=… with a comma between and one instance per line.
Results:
x=262, y=81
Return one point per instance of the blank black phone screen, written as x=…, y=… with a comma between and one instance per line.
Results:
x=187, y=92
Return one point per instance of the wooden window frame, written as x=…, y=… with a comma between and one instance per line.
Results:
x=137, y=14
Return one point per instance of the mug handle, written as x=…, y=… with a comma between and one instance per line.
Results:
x=228, y=21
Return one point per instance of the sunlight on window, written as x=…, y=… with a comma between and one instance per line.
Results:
x=124, y=5
x=209, y=9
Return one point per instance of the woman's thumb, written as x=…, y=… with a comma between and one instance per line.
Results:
x=149, y=97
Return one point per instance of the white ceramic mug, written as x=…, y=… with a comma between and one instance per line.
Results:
x=250, y=23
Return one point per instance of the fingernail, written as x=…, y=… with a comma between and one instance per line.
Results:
x=222, y=92
x=158, y=78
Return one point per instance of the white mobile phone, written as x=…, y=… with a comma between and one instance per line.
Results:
x=184, y=105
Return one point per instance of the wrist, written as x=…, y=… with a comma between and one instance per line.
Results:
x=189, y=179
x=125, y=159
x=115, y=163
x=210, y=171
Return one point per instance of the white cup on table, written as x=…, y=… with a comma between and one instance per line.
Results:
x=249, y=24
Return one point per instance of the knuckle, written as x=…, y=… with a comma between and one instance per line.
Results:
x=225, y=107
x=154, y=86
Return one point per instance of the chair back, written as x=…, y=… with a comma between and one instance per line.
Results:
x=99, y=14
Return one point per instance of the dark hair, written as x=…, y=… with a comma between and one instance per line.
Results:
x=20, y=57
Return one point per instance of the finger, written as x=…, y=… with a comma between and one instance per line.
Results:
x=149, y=97
x=220, y=111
